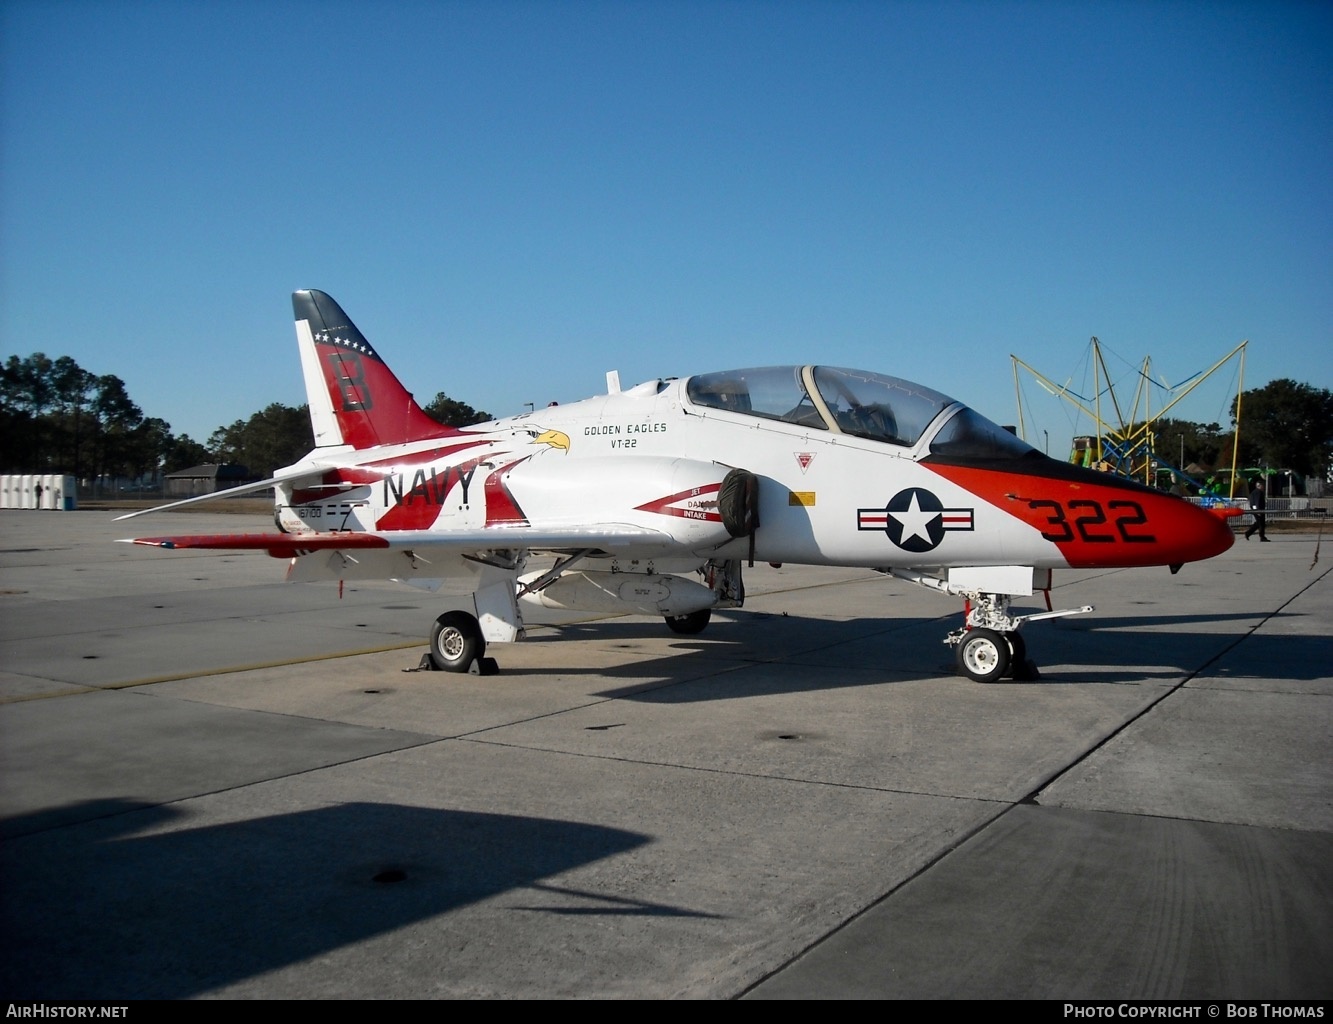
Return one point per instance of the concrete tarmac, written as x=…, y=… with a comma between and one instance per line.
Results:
x=214, y=784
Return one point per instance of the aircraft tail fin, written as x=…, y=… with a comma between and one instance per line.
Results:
x=355, y=399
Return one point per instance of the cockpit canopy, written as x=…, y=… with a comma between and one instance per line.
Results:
x=856, y=402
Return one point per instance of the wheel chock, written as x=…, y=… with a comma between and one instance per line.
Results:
x=479, y=666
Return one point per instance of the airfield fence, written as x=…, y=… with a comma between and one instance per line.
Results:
x=1295, y=509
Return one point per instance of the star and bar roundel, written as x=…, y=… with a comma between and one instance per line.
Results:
x=915, y=520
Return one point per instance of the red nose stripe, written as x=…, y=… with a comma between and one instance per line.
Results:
x=1099, y=521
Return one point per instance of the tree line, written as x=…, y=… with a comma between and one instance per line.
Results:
x=56, y=417
x=1283, y=425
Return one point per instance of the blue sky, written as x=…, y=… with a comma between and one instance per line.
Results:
x=512, y=198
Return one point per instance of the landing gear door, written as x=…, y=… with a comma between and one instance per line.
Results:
x=1018, y=580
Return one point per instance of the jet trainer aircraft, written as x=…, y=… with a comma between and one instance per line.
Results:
x=650, y=499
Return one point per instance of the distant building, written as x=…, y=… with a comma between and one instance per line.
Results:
x=186, y=483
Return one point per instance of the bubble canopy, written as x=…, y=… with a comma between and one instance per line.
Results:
x=856, y=402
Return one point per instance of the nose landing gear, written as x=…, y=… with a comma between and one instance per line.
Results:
x=989, y=646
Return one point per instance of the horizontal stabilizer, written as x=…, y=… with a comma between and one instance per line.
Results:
x=231, y=492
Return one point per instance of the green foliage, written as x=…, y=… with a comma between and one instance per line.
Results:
x=55, y=416
x=1202, y=443
x=1284, y=425
x=454, y=413
x=1287, y=425
x=183, y=453
x=274, y=437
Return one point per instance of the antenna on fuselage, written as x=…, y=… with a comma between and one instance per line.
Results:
x=613, y=382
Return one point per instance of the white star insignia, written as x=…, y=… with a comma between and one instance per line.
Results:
x=914, y=521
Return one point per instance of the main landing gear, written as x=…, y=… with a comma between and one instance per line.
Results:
x=458, y=639
x=457, y=645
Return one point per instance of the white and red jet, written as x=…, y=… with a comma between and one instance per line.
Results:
x=651, y=498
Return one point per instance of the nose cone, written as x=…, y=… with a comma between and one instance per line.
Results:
x=1196, y=533
x=1095, y=520
x=1140, y=528
x=1159, y=529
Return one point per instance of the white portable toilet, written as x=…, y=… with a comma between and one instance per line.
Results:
x=4, y=490
x=25, y=491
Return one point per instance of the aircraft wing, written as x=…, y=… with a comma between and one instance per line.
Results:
x=293, y=545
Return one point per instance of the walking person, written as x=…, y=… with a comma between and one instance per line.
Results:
x=1257, y=506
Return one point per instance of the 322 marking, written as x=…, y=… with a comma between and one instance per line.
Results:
x=1090, y=520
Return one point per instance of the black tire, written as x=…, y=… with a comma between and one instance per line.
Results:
x=983, y=655
x=1018, y=648
x=456, y=642
x=694, y=622
x=1021, y=668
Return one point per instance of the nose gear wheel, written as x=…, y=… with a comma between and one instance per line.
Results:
x=983, y=655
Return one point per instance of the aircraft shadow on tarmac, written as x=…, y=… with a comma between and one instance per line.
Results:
x=758, y=631
x=1228, y=653
x=733, y=641
x=1083, y=651
x=99, y=912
